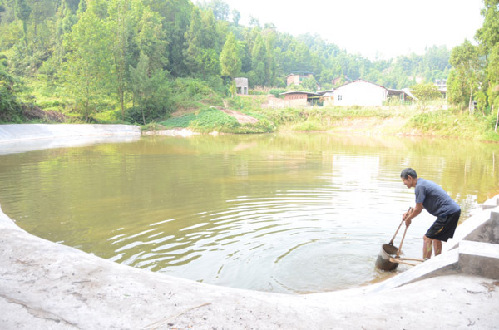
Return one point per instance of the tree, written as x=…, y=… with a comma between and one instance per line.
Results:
x=220, y=9
x=151, y=92
x=10, y=107
x=258, y=57
x=175, y=22
x=201, y=56
x=230, y=62
x=89, y=68
x=425, y=92
x=465, y=79
x=488, y=38
x=23, y=11
x=120, y=21
x=236, y=17
x=309, y=84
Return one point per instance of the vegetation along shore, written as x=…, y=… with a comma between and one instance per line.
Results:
x=173, y=64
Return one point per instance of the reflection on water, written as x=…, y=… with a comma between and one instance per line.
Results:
x=280, y=213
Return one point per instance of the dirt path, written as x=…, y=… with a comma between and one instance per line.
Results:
x=241, y=117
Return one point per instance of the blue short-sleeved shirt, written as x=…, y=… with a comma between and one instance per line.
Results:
x=435, y=200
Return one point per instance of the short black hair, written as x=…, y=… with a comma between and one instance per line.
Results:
x=408, y=172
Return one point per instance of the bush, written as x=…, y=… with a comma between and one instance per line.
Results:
x=277, y=92
x=10, y=107
x=194, y=93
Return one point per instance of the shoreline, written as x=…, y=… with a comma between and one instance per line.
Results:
x=49, y=285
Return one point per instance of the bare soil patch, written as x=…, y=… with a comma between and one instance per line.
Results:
x=241, y=117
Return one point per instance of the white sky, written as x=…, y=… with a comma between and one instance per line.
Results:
x=386, y=28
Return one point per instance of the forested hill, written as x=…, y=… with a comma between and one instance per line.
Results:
x=186, y=40
x=139, y=53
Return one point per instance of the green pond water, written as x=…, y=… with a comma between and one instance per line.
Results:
x=289, y=213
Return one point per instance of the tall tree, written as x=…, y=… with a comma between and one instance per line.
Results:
x=258, y=58
x=119, y=22
x=175, y=19
x=230, y=62
x=488, y=36
x=23, y=12
x=89, y=67
x=202, y=58
x=151, y=91
x=464, y=80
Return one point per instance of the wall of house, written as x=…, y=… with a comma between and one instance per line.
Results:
x=328, y=101
x=293, y=100
x=293, y=80
x=361, y=93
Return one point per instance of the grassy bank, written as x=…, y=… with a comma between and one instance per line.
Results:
x=455, y=124
x=408, y=120
x=194, y=111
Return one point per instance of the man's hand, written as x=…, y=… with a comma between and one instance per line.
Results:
x=407, y=217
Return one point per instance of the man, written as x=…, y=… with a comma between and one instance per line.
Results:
x=435, y=200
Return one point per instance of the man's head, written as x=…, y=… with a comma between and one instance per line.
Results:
x=409, y=177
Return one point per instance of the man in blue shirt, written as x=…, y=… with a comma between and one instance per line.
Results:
x=435, y=200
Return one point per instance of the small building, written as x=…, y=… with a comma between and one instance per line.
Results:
x=297, y=77
x=441, y=85
x=360, y=93
x=300, y=98
x=241, y=85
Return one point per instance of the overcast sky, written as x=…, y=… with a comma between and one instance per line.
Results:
x=386, y=28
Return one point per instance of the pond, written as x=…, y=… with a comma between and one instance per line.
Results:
x=293, y=213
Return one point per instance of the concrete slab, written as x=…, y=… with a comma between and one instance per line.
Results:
x=479, y=259
x=491, y=203
x=27, y=137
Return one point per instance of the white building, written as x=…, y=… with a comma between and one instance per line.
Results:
x=361, y=93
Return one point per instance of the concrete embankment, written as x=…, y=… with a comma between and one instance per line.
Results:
x=26, y=137
x=44, y=285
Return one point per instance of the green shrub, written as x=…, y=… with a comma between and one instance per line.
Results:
x=277, y=92
x=179, y=122
x=194, y=93
x=10, y=107
x=214, y=120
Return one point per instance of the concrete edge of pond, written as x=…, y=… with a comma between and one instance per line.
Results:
x=16, y=138
x=49, y=285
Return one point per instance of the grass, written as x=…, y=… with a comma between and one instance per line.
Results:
x=455, y=124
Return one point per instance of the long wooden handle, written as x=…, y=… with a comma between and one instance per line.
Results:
x=412, y=259
x=398, y=261
x=391, y=242
x=393, y=238
x=402, y=241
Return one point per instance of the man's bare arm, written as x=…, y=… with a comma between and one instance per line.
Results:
x=408, y=216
